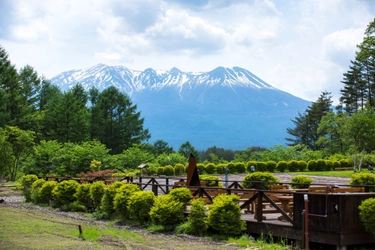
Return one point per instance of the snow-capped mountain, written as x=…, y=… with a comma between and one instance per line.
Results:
x=226, y=107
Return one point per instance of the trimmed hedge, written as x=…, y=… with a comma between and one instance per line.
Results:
x=265, y=179
x=140, y=204
x=367, y=214
x=167, y=211
x=64, y=192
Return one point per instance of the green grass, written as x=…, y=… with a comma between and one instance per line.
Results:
x=335, y=173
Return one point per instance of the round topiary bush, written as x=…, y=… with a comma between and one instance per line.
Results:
x=210, y=168
x=360, y=179
x=27, y=181
x=220, y=167
x=83, y=196
x=200, y=167
x=167, y=212
x=271, y=166
x=282, y=166
x=35, y=189
x=211, y=181
x=321, y=165
x=329, y=165
x=240, y=167
x=197, y=223
x=168, y=170
x=179, y=169
x=264, y=179
x=140, y=204
x=96, y=193
x=45, y=192
x=367, y=214
x=312, y=165
x=300, y=181
x=225, y=215
x=160, y=171
x=293, y=166
x=120, y=202
x=181, y=194
x=232, y=167
x=64, y=192
x=261, y=166
x=302, y=166
x=250, y=164
x=108, y=197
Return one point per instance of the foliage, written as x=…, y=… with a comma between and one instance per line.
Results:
x=35, y=189
x=168, y=170
x=271, y=166
x=15, y=146
x=110, y=192
x=179, y=169
x=261, y=166
x=83, y=196
x=282, y=166
x=265, y=179
x=225, y=215
x=367, y=214
x=140, y=204
x=312, y=165
x=134, y=156
x=170, y=159
x=186, y=149
x=361, y=179
x=93, y=174
x=210, y=168
x=240, y=167
x=302, y=166
x=321, y=165
x=181, y=194
x=45, y=192
x=167, y=211
x=201, y=168
x=210, y=180
x=27, y=181
x=64, y=192
x=249, y=164
x=300, y=181
x=96, y=193
x=197, y=223
x=121, y=200
x=293, y=166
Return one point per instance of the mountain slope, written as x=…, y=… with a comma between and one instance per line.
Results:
x=226, y=107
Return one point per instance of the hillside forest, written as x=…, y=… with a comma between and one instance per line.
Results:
x=45, y=131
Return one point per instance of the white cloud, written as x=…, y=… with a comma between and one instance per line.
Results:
x=302, y=47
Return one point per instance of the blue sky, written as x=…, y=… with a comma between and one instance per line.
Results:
x=299, y=46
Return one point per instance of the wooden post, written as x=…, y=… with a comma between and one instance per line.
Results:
x=80, y=230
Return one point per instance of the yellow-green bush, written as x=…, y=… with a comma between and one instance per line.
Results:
x=312, y=165
x=35, y=189
x=181, y=194
x=168, y=170
x=210, y=168
x=179, y=169
x=27, y=181
x=45, y=192
x=140, y=204
x=271, y=166
x=64, y=192
x=302, y=166
x=367, y=214
x=110, y=192
x=96, y=193
x=293, y=166
x=197, y=223
x=120, y=202
x=210, y=180
x=282, y=166
x=83, y=196
x=300, y=181
x=240, y=167
x=167, y=211
x=363, y=179
x=225, y=215
x=265, y=179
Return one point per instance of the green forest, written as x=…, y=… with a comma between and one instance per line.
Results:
x=45, y=131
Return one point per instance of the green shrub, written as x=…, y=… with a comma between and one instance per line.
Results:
x=219, y=168
x=211, y=181
x=35, y=190
x=83, y=196
x=45, y=192
x=64, y=192
x=109, y=196
x=367, y=214
x=329, y=165
x=321, y=165
x=210, y=168
x=336, y=164
x=96, y=193
x=249, y=164
x=120, y=202
x=361, y=179
x=181, y=194
x=168, y=170
x=200, y=167
x=197, y=223
x=265, y=179
x=302, y=166
x=300, y=181
x=345, y=163
x=282, y=166
x=27, y=181
x=179, y=169
x=232, y=168
x=271, y=166
x=240, y=167
x=293, y=166
x=77, y=207
x=167, y=212
x=140, y=204
x=225, y=215
x=261, y=166
x=312, y=165
x=160, y=171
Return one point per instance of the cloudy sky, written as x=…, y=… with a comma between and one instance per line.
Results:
x=299, y=46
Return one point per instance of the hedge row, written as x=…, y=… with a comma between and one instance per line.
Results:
x=269, y=166
x=126, y=201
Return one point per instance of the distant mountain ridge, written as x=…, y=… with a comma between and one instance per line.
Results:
x=226, y=107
